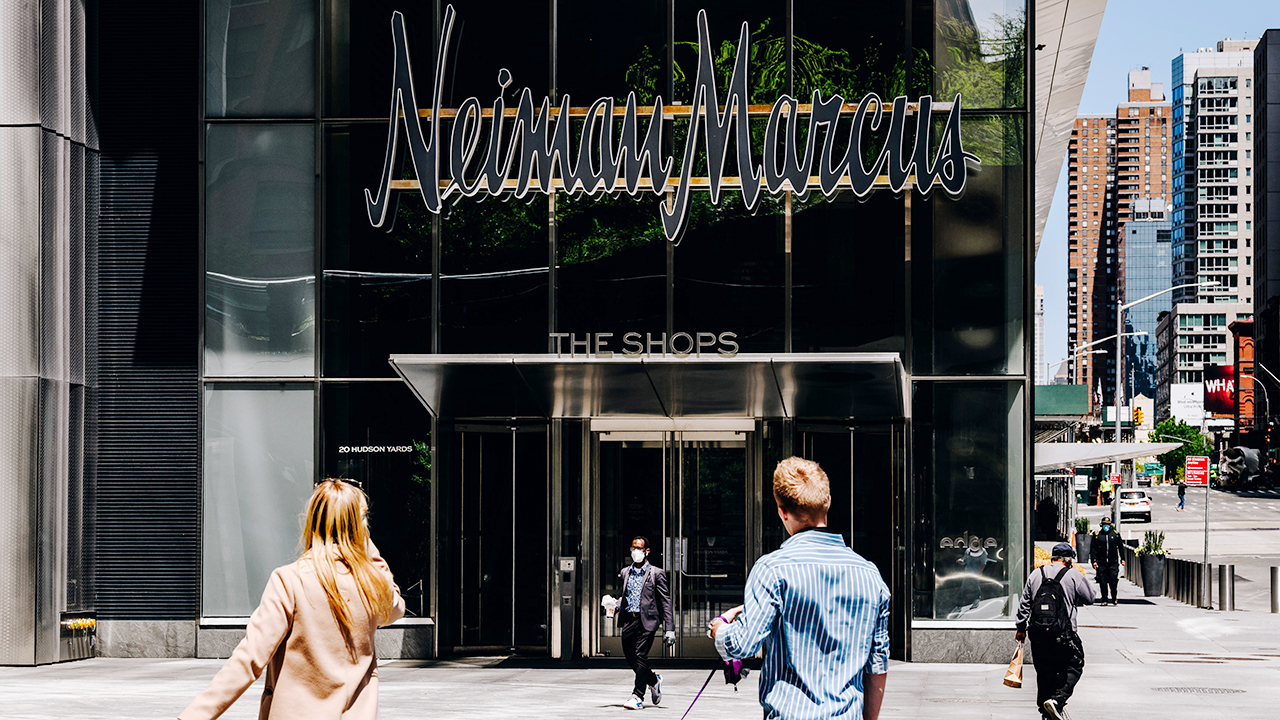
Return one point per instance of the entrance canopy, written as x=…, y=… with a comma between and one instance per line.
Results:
x=819, y=386
x=1059, y=456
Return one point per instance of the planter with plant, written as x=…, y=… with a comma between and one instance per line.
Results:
x=1151, y=556
x=1083, y=540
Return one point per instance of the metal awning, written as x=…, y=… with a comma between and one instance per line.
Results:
x=840, y=386
x=1059, y=456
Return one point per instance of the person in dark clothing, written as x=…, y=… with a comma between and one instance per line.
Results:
x=1058, y=656
x=646, y=601
x=1182, y=496
x=1107, y=561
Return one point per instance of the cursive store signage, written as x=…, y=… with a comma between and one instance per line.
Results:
x=633, y=344
x=530, y=149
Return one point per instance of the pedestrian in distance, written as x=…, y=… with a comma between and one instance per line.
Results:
x=1105, y=551
x=1104, y=491
x=1047, y=614
x=646, y=601
x=313, y=631
x=1182, y=496
x=820, y=610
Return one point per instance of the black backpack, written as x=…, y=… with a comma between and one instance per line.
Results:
x=1049, y=613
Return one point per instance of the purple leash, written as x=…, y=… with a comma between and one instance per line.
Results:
x=695, y=697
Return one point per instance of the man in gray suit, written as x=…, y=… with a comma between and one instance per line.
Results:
x=646, y=601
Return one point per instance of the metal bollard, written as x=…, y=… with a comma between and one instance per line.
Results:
x=1222, y=587
x=1231, y=587
x=1275, y=589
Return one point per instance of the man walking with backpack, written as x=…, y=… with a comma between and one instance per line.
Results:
x=1048, y=615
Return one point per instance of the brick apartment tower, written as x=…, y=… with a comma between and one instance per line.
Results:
x=1112, y=159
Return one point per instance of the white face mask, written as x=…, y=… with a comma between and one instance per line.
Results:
x=637, y=555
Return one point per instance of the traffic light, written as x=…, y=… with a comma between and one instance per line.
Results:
x=1137, y=416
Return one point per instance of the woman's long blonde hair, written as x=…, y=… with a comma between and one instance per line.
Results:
x=337, y=531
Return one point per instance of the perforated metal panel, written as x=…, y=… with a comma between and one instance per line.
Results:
x=51, y=515
x=19, y=56
x=19, y=420
x=75, y=265
x=55, y=62
x=55, y=266
x=19, y=251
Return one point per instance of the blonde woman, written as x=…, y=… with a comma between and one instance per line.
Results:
x=313, y=631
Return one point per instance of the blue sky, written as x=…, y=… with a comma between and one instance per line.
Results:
x=1135, y=33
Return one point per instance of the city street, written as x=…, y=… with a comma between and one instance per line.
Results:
x=1147, y=658
x=1244, y=529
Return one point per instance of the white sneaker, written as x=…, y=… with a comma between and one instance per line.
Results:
x=655, y=691
x=1051, y=707
x=633, y=703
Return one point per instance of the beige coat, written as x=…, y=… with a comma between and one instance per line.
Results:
x=295, y=638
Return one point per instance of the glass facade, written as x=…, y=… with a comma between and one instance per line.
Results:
x=301, y=288
x=1145, y=269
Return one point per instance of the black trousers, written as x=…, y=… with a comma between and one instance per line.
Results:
x=1059, y=661
x=1108, y=580
x=636, y=643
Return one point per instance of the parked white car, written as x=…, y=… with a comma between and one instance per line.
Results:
x=1135, y=502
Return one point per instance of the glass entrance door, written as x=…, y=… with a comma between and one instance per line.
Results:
x=687, y=493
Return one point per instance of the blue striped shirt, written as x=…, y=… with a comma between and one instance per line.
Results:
x=822, y=611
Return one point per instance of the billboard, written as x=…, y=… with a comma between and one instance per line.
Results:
x=1220, y=390
x=1186, y=402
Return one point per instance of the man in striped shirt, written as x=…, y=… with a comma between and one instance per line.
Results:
x=821, y=610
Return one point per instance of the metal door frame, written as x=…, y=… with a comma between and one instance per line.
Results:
x=672, y=434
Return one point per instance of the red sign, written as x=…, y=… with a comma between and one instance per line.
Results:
x=1197, y=472
x=1220, y=390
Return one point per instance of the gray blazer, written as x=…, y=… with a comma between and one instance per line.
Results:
x=655, y=598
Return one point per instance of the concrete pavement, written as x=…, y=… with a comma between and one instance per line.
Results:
x=1146, y=659
x=1244, y=530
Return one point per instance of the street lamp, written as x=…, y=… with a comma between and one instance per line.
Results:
x=1048, y=367
x=1266, y=407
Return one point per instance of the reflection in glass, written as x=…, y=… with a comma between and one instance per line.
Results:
x=970, y=465
x=359, y=55
x=836, y=56
x=848, y=255
x=969, y=283
x=767, y=25
x=981, y=52
x=612, y=268
x=260, y=250
x=370, y=316
x=712, y=572
x=494, y=277
x=595, y=59
x=380, y=435
x=258, y=475
x=260, y=58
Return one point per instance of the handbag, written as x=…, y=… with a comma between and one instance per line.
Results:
x=1013, y=676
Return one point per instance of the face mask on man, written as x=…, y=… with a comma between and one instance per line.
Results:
x=1106, y=527
x=637, y=555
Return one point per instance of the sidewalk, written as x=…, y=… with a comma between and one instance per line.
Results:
x=1143, y=659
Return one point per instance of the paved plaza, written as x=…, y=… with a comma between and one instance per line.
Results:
x=1147, y=658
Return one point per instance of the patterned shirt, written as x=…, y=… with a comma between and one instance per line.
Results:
x=635, y=581
x=823, y=613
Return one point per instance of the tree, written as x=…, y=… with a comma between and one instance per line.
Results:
x=1194, y=443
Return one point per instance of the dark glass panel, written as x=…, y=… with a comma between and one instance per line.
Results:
x=488, y=37
x=494, y=277
x=360, y=55
x=969, y=497
x=730, y=272
x=612, y=270
x=260, y=58
x=610, y=49
x=260, y=250
x=380, y=435
x=850, y=50
x=848, y=255
x=377, y=281
x=980, y=52
x=767, y=25
x=968, y=258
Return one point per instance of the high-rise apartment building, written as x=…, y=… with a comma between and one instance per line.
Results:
x=1189, y=337
x=1145, y=254
x=1042, y=372
x=1266, y=283
x=1111, y=161
x=1213, y=173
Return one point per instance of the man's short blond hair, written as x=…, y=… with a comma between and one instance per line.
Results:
x=801, y=487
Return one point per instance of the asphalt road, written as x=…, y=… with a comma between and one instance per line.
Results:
x=1244, y=529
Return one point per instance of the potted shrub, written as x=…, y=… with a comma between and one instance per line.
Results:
x=1151, y=557
x=1083, y=540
